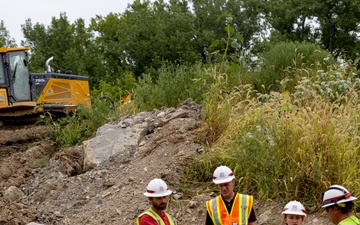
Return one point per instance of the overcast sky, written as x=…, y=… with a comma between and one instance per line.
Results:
x=15, y=12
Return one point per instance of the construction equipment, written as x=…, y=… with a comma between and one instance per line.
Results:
x=23, y=94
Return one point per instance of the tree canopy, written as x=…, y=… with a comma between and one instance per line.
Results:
x=5, y=38
x=150, y=33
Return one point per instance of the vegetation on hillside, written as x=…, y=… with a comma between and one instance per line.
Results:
x=285, y=144
x=281, y=107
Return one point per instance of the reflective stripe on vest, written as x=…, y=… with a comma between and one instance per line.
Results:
x=243, y=209
x=156, y=217
x=240, y=210
x=216, y=211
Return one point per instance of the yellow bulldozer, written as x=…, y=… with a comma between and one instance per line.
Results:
x=23, y=94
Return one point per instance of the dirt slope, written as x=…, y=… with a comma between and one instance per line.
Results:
x=112, y=193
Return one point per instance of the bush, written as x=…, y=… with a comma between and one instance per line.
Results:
x=115, y=90
x=289, y=60
x=173, y=85
x=75, y=128
x=336, y=81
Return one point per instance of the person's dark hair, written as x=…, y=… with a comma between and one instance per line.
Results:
x=328, y=208
x=347, y=208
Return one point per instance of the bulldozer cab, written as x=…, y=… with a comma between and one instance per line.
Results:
x=19, y=76
x=14, y=74
x=23, y=94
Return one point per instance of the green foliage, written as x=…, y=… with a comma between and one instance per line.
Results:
x=218, y=100
x=115, y=90
x=232, y=44
x=337, y=81
x=333, y=24
x=80, y=125
x=245, y=21
x=108, y=48
x=5, y=38
x=150, y=33
x=173, y=85
x=71, y=45
x=225, y=77
x=339, y=24
x=289, y=19
x=216, y=108
x=288, y=60
x=287, y=145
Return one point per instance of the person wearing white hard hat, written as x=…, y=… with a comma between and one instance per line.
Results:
x=158, y=195
x=338, y=203
x=294, y=213
x=229, y=208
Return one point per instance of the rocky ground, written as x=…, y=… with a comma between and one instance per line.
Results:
x=41, y=186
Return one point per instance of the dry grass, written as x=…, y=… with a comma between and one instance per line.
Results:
x=283, y=145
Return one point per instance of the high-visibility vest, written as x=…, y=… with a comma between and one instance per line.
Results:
x=351, y=220
x=156, y=217
x=240, y=210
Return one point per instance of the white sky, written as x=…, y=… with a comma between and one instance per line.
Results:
x=15, y=12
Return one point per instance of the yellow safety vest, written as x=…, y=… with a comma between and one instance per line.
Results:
x=240, y=210
x=351, y=220
x=156, y=217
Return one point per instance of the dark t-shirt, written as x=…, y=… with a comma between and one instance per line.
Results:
x=252, y=216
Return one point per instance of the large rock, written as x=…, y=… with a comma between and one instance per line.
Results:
x=126, y=135
x=121, y=137
x=13, y=194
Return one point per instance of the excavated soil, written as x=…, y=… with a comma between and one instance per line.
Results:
x=43, y=186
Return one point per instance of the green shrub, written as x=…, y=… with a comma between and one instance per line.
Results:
x=115, y=90
x=173, y=85
x=80, y=125
x=337, y=80
x=289, y=60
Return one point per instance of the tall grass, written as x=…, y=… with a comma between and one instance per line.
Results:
x=287, y=145
x=174, y=84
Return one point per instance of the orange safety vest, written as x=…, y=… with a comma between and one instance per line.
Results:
x=156, y=217
x=240, y=210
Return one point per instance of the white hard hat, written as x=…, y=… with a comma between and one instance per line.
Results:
x=223, y=174
x=157, y=188
x=336, y=194
x=294, y=208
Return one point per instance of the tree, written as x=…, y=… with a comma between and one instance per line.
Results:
x=82, y=57
x=340, y=25
x=146, y=35
x=54, y=41
x=36, y=37
x=290, y=19
x=156, y=32
x=5, y=38
x=335, y=24
x=245, y=21
x=108, y=45
x=71, y=45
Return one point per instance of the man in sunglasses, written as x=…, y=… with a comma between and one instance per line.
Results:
x=338, y=203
